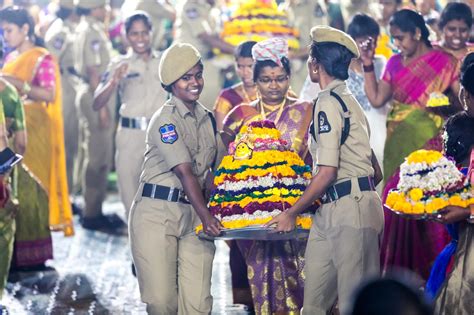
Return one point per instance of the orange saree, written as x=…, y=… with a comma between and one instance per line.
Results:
x=45, y=154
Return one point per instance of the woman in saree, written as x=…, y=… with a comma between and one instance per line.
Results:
x=7, y=221
x=42, y=183
x=410, y=79
x=274, y=267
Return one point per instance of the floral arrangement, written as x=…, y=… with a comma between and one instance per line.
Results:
x=259, y=178
x=258, y=20
x=428, y=183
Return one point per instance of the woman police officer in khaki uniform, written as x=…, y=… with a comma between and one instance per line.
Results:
x=343, y=245
x=173, y=265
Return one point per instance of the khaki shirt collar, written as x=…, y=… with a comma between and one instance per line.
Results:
x=334, y=84
x=199, y=111
x=135, y=56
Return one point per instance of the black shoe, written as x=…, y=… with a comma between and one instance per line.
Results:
x=111, y=224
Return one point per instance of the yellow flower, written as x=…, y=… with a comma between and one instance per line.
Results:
x=416, y=194
x=428, y=156
x=418, y=208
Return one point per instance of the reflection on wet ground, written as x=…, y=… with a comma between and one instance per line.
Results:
x=93, y=276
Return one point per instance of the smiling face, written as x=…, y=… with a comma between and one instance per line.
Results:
x=139, y=37
x=273, y=84
x=188, y=88
x=404, y=41
x=14, y=35
x=455, y=34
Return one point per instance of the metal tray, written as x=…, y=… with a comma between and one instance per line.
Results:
x=424, y=216
x=256, y=233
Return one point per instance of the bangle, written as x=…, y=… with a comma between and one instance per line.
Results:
x=369, y=68
x=471, y=216
x=26, y=88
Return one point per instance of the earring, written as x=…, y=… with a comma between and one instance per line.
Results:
x=418, y=37
x=315, y=71
x=464, y=105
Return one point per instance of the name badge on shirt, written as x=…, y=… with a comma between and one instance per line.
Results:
x=323, y=123
x=168, y=133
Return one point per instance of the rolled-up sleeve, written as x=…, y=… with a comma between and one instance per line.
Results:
x=328, y=123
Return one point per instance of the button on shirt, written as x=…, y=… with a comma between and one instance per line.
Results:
x=353, y=158
x=140, y=92
x=176, y=136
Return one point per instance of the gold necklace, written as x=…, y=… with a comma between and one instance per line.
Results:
x=270, y=108
x=247, y=98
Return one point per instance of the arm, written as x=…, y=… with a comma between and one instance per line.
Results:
x=35, y=93
x=19, y=139
x=380, y=92
x=216, y=42
x=105, y=90
x=377, y=170
x=192, y=189
x=286, y=221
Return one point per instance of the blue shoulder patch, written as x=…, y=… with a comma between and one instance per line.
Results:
x=168, y=133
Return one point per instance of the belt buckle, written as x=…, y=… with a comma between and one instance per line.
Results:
x=142, y=123
x=170, y=194
x=153, y=191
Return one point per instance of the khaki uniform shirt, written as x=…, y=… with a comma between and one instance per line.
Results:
x=176, y=136
x=59, y=40
x=195, y=18
x=304, y=14
x=354, y=157
x=92, y=46
x=140, y=92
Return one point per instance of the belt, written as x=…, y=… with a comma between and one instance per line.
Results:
x=343, y=189
x=170, y=194
x=74, y=72
x=134, y=123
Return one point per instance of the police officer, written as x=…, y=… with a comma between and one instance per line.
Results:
x=135, y=78
x=303, y=14
x=92, y=52
x=195, y=25
x=343, y=245
x=173, y=265
x=159, y=11
x=59, y=40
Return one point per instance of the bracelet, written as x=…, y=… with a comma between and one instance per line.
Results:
x=26, y=88
x=368, y=68
x=471, y=216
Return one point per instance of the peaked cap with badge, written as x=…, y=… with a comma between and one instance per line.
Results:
x=322, y=34
x=176, y=61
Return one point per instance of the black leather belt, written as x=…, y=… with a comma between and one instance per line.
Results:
x=74, y=72
x=170, y=194
x=134, y=123
x=343, y=189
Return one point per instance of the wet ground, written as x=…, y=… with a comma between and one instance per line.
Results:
x=93, y=276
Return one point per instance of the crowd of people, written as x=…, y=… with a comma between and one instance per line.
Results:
x=141, y=89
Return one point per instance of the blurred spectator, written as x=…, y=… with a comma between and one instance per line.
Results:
x=455, y=25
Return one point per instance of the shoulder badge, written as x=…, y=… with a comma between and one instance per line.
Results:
x=58, y=43
x=323, y=123
x=192, y=13
x=168, y=133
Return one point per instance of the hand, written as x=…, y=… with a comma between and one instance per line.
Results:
x=211, y=225
x=453, y=214
x=367, y=51
x=285, y=222
x=120, y=73
x=104, y=118
x=4, y=191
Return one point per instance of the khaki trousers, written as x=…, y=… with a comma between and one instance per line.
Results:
x=342, y=251
x=213, y=82
x=129, y=155
x=71, y=128
x=173, y=265
x=98, y=157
